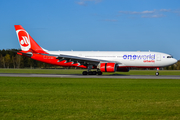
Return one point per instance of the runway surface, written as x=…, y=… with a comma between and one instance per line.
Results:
x=91, y=76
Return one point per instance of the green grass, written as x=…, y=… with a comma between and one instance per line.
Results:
x=73, y=71
x=87, y=98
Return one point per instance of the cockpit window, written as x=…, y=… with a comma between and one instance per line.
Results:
x=169, y=56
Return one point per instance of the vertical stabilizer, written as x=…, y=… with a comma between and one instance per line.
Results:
x=26, y=41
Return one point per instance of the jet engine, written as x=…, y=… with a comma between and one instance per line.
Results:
x=108, y=67
x=122, y=69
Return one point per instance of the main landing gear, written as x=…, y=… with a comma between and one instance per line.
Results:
x=157, y=73
x=88, y=72
x=92, y=73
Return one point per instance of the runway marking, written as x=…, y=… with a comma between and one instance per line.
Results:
x=91, y=76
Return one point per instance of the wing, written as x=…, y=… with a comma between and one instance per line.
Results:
x=81, y=60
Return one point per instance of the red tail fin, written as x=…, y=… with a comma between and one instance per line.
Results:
x=26, y=41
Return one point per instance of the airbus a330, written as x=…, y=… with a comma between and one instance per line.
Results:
x=102, y=61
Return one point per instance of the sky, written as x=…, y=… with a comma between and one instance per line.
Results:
x=94, y=25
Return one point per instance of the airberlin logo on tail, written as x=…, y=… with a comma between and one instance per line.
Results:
x=24, y=42
x=24, y=39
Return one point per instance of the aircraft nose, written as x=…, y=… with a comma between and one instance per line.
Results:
x=174, y=60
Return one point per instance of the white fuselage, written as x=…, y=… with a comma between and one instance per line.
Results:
x=129, y=59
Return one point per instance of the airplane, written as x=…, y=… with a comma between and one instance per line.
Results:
x=102, y=61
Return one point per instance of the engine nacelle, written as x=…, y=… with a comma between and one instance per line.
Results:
x=108, y=67
x=122, y=69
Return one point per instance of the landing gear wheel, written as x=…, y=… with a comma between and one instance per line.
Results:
x=99, y=73
x=90, y=73
x=84, y=72
x=157, y=73
x=94, y=72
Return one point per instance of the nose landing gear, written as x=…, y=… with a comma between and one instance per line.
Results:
x=157, y=73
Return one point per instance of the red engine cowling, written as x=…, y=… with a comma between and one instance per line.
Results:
x=108, y=67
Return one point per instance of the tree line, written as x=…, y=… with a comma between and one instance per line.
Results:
x=9, y=59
